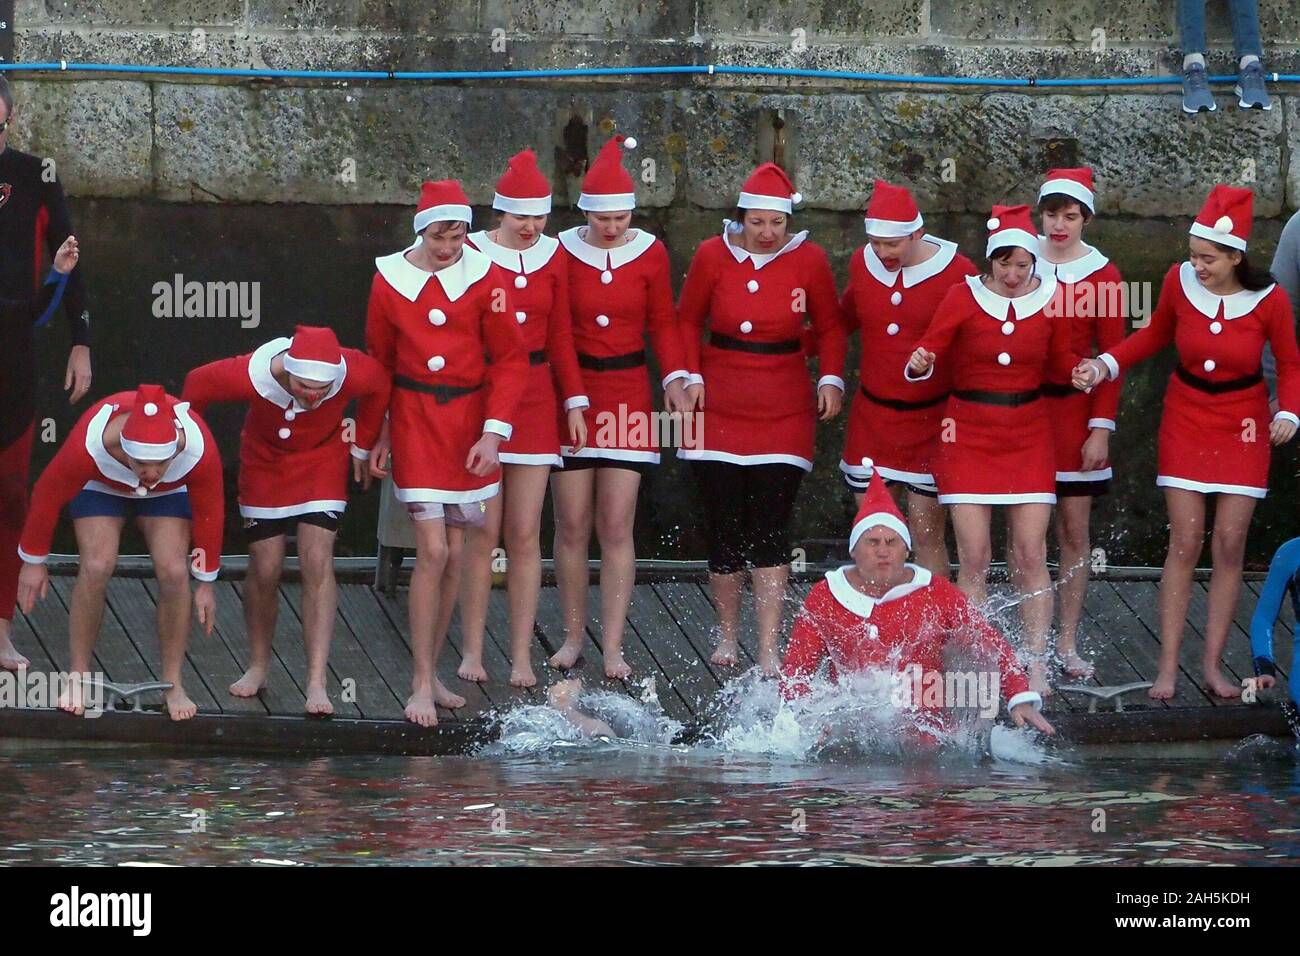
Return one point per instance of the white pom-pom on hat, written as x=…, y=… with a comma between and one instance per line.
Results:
x=629, y=142
x=1223, y=224
x=796, y=198
x=150, y=408
x=993, y=223
x=868, y=464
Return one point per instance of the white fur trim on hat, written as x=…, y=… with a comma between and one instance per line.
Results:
x=759, y=201
x=880, y=518
x=891, y=228
x=1017, y=238
x=1213, y=235
x=452, y=212
x=1067, y=187
x=536, y=206
x=607, y=202
x=312, y=371
x=143, y=451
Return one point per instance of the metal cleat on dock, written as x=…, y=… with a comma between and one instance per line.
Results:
x=1095, y=694
x=130, y=693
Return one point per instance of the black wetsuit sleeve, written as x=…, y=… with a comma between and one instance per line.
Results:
x=58, y=229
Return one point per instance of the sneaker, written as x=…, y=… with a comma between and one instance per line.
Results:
x=1196, y=90
x=1251, y=94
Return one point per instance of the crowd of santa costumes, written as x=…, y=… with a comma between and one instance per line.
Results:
x=493, y=357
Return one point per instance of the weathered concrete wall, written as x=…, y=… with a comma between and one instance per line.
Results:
x=236, y=141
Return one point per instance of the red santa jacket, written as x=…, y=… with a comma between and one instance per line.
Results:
x=996, y=344
x=1219, y=338
x=542, y=307
x=757, y=298
x=611, y=317
x=292, y=460
x=434, y=328
x=1091, y=294
x=84, y=463
x=893, y=310
x=907, y=628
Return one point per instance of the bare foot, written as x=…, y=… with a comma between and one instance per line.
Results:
x=615, y=667
x=251, y=684
x=471, y=668
x=768, y=662
x=1221, y=686
x=1038, y=681
x=178, y=704
x=1072, y=665
x=10, y=659
x=1163, y=688
x=72, y=698
x=567, y=656
x=318, y=702
x=445, y=698
x=420, y=709
x=521, y=675
x=724, y=655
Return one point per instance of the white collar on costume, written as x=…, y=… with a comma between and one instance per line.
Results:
x=912, y=275
x=861, y=604
x=1075, y=270
x=1207, y=303
x=517, y=260
x=259, y=373
x=760, y=259
x=1024, y=305
x=409, y=279
x=114, y=470
x=603, y=259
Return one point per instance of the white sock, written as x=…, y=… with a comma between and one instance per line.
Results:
x=1247, y=60
x=1191, y=59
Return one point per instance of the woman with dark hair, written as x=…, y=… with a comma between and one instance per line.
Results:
x=1091, y=297
x=752, y=287
x=1002, y=340
x=1218, y=310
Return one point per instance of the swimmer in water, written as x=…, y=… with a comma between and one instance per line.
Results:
x=563, y=696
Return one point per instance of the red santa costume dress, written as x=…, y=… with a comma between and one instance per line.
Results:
x=430, y=332
x=293, y=461
x=893, y=421
x=542, y=310
x=996, y=445
x=614, y=295
x=85, y=473
x=1090, y=293
x=904, y=631
x=758, y=426
x=1214, y=427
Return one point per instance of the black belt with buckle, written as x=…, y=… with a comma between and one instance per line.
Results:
x=612, y=363
x=442, y=394
x=785, y=347
x=1007, y=399
x=903, y=406
x=1218, y=388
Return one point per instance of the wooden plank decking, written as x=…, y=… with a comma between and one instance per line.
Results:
x=668, y=637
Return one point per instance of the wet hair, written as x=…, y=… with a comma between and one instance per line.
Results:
x=1250, y=276
x=1056, y=202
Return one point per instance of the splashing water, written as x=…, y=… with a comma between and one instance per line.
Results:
x=538, y=728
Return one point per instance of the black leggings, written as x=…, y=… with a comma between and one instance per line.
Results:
x=747, y=512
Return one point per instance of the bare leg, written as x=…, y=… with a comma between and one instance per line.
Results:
x=970, y=525
x=449, y=588
x=430, y=563
x=727, y=590
x=169, y=546
x=769, y=592
x=10, y=659
x=320, y=601
x=573, y=495
x=523, y=533
x=97, y=544
x=1186, y=539
x=928, y=522
x=1232, y=514
x=616, y=491
x=1028, y=527
x=476, y=586
x=261, y=603
x=1072, y=515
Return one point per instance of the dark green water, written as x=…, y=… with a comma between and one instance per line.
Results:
x=598, y=805
x=314, y=265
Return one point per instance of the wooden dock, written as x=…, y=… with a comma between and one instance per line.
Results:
x=668, y=637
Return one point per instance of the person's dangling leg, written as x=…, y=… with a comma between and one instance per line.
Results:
x=1186, y=540
x=1232, y=514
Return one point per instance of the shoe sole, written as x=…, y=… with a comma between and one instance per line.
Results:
x=1203, y=109
x=1251, y=106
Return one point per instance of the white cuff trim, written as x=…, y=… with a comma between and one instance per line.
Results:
x=577, y=401
x=1105, y=423
x=32, y=558
x=1025, y=697
x=696, y=379
x=1287, y=417
x=497, y=427
x=207, y=577
x=1111, y=365
x=907, y=374
x=674, y=376
x=831, y=380
x=360, y=454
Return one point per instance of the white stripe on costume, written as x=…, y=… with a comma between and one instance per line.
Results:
x=1210, y=488
x=290, y=511
x=704, y=454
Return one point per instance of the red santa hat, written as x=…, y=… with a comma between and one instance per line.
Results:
x=314, y=354
x=877, y=509
x=150, y=433
x=1011, y=226
x=892, y=212
x=442, y=201
x=523, y=190
x=1226, y=217
x=607, y=187
x=1075, y=183
x=768, y=187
